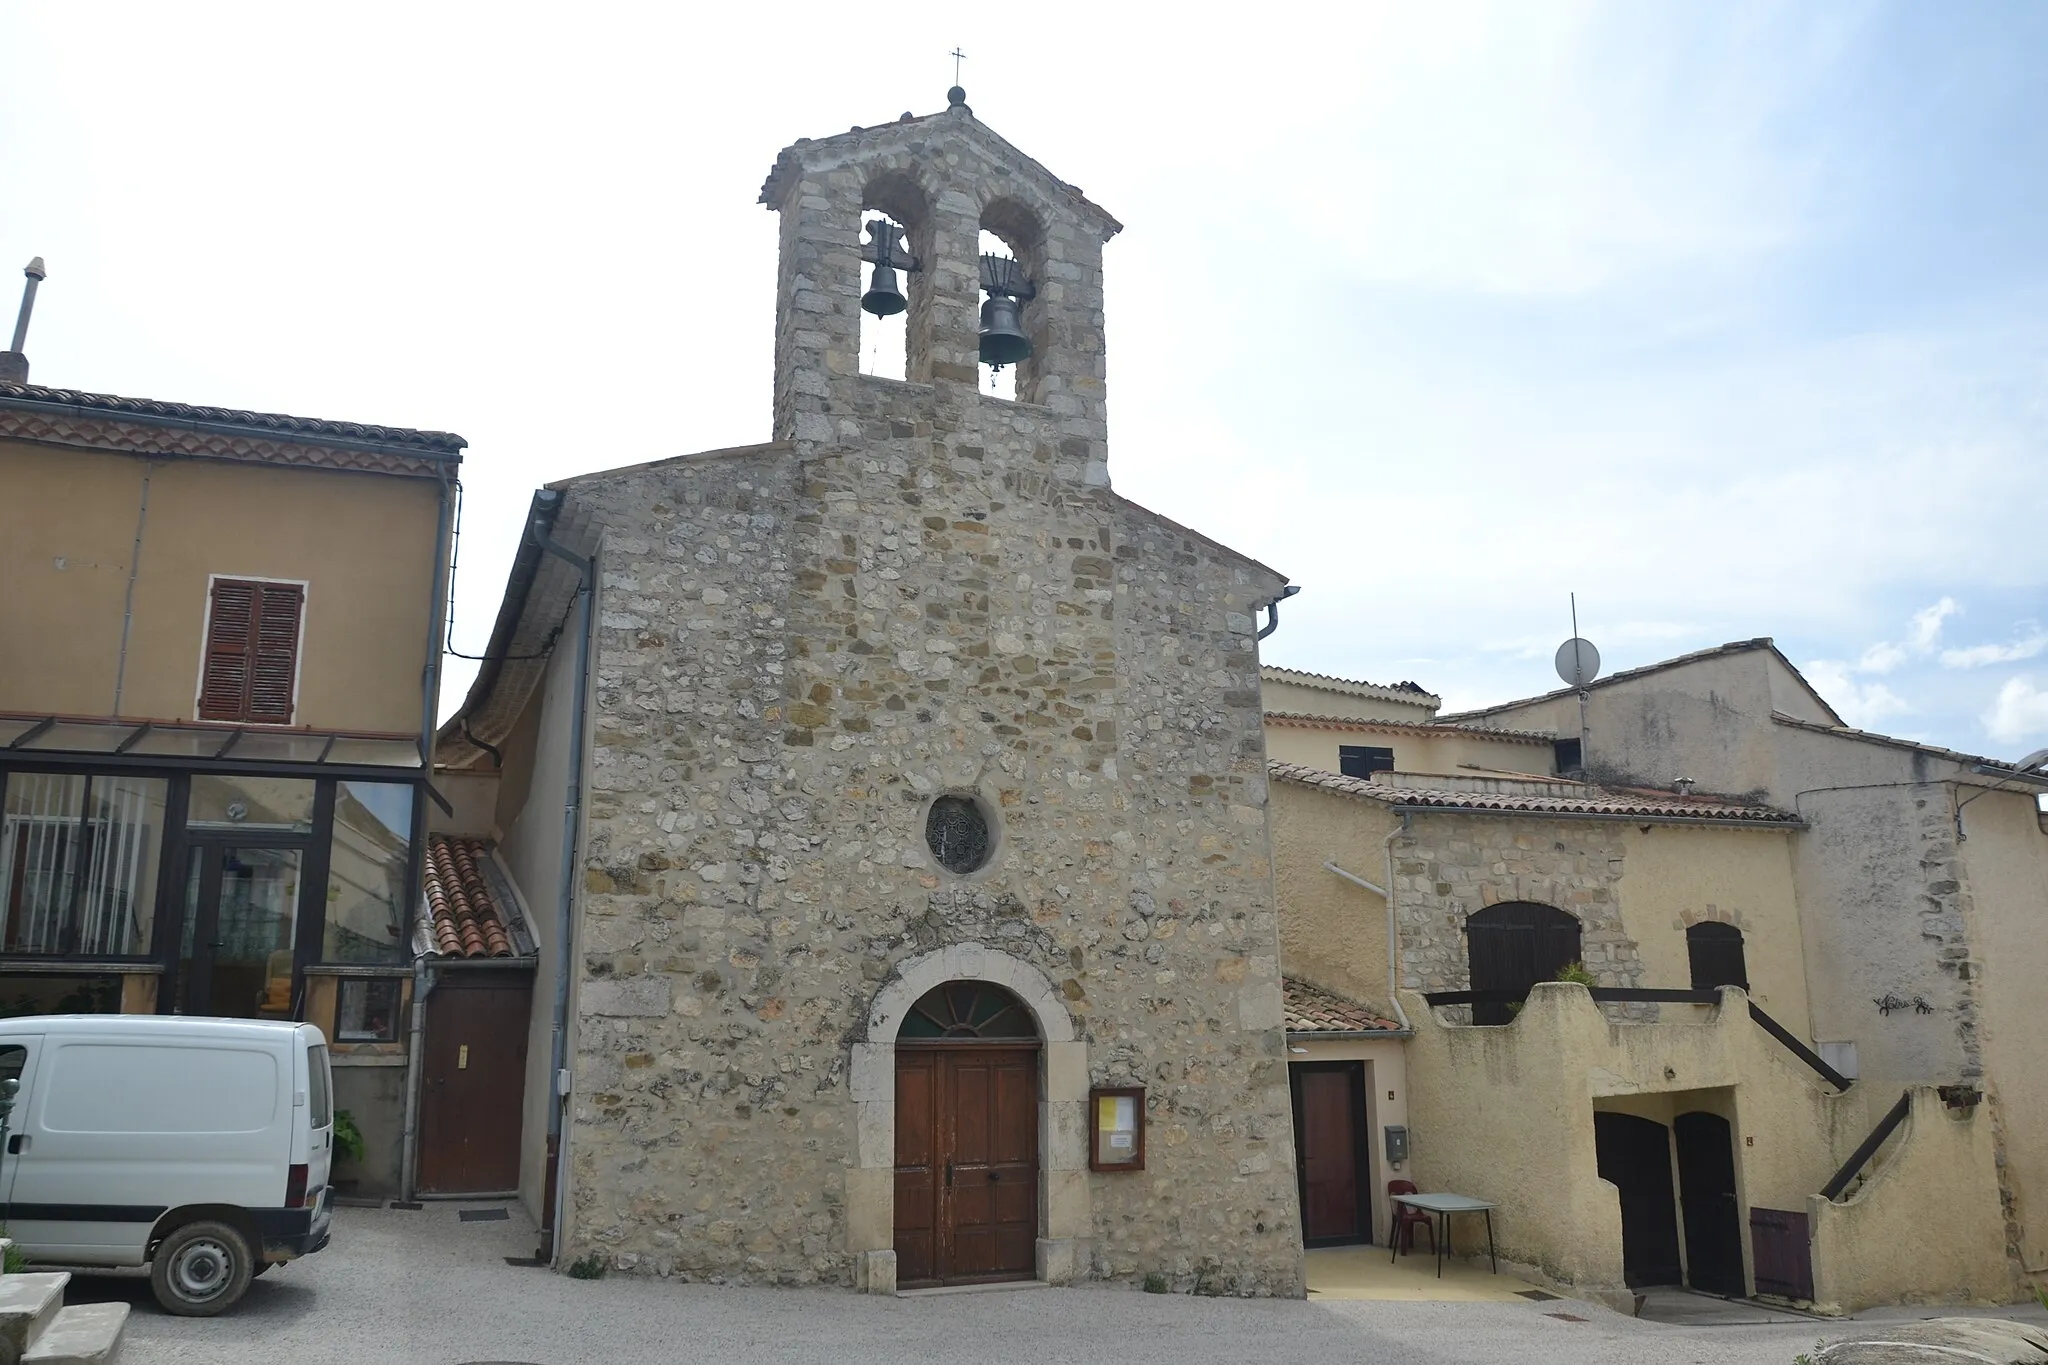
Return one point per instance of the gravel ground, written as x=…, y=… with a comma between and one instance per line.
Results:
x=424, y=1288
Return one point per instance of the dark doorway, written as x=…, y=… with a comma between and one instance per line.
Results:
x=473, y=1082
x=1514, y=945
x=238, y=930
x=1334, y=1171
x=1716, y=953
x=1706, y=1191
x=1634, y=1156
x=966, y=1138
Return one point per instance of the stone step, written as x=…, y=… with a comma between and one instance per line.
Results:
x=28, y=1303
x=83, y=1334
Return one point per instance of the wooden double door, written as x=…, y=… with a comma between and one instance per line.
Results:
x=966, y=1163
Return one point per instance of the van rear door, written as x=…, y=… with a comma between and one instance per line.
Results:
x=313, y=1136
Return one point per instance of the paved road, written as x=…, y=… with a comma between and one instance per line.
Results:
x=401, y=1288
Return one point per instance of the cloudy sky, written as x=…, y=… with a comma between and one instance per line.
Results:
x=1729, y=318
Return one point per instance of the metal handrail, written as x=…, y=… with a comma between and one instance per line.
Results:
x=1886, y=1126
x=1799, y=1049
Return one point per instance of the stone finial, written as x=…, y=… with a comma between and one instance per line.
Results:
x=956, y=98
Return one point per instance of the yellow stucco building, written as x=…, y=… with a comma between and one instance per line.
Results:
x=1712, y=1110
x=219, y=654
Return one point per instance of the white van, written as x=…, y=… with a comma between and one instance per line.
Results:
x=199, y=1146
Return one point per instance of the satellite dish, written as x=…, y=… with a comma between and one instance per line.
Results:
x=1578, y=663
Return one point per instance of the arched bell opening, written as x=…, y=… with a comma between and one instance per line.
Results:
x=1012, y=265
x=895, y=293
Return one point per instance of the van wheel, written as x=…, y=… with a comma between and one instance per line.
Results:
x=200, y=1270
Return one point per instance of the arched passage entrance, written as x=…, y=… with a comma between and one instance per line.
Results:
x=966, y=1137
x=1061, y=1206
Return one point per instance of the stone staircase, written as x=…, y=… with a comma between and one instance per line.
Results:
x=37, y=1329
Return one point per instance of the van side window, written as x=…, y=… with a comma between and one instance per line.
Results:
x=13, y=1057
x=316, y=1086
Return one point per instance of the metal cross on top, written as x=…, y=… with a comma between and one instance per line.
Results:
x=958, y=57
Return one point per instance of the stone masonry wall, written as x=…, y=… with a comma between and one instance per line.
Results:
x=1449, y=867
x=920, y=591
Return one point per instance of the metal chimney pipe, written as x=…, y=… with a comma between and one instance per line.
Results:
x=36, y=275
x=14, y=361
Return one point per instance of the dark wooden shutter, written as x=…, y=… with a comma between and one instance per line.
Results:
x=252, y=652
x=1780, y=1243
x=1715, y=951
x=1514, y=945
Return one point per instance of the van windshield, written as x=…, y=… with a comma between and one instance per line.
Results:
x=316, y=1085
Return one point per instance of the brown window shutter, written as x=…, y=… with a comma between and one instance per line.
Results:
x=275, y=672
x=252, y=646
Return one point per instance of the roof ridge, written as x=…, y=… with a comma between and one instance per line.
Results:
x=1410, y=693
x=1601, y=803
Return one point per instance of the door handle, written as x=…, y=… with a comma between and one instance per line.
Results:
x=17, y=1143
x=995, y=1175
x=949, y=1175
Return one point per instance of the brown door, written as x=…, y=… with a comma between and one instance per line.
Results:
x=473, y=1085
x=966, y=1163
x=1329, y=1116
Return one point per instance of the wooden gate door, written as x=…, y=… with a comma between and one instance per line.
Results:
x=473, y=1083
x=1634, y=1155
x=1706, y=1191
x=966, y=1163
x=1329, y=1131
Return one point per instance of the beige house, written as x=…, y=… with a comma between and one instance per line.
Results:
x=912, y=921
x=1688, y=1134
x=218, y=661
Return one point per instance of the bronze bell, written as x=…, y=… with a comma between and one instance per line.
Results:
x=1002, y=332
x=884, y=299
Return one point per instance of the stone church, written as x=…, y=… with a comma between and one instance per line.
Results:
x=915, y=879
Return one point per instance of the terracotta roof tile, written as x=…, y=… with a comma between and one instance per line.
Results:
x=311, y=428
x=1311, y=1009
x=1414, y=694
x=1598, y=801
x=1303, y=720
x=465, y=918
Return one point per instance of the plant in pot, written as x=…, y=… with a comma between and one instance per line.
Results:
x=348, y=1151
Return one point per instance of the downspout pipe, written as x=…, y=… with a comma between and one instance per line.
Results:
x=1273, y=610
x=1393, y=936
x=548, y=503
x=430, y=690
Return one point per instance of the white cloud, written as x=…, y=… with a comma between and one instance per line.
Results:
x=1860, y=704
x=1977, y=656
x=1881, y=658
x=1927, y=624
x=2019, y=713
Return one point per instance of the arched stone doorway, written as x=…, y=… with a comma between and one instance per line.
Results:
x=966, y=1138
x=968, y=1001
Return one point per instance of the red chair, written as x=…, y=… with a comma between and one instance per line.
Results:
x=1401, y=1233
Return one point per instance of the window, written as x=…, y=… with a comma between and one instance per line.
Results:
x=1362, y=760
x=958, y=834
x=366, y=873
x=317, y=1085
x=1568, y=754
x=1716, y=953
x=251, y=667
x=78, y=863
x=367, y=1011
x=1512, y=946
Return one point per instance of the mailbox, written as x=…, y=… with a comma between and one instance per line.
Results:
x=1397, y=1143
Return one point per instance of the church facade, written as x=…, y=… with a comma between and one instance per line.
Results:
x=914, y=893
